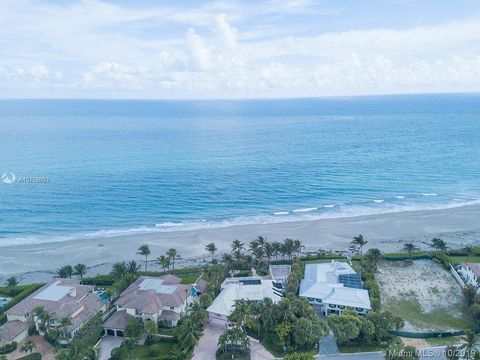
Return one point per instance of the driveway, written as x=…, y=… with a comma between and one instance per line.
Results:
x=107, y=344
x=207, y=345
x=258, y=352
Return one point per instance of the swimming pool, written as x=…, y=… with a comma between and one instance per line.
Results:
x=3, y=302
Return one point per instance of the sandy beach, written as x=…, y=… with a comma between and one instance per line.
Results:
x=457, y=226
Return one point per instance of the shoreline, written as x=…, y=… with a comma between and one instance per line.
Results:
x=37, y=262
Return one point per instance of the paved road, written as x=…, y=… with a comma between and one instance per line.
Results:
x=436, y=353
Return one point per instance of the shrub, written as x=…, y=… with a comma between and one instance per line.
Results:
x=8, y=348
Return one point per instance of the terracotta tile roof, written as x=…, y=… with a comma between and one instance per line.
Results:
x=118, y=320
x=169, y=315
x=11, y=329
x=475, y=267
x=165, y=291
x=201, y=285
x=81, y=300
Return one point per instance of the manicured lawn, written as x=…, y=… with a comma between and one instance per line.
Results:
x=190, y=278
x=452, y=340
x=438, y=320
x=157, y=350
x=455, y=260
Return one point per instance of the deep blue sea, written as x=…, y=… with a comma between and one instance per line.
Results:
x=126, y=167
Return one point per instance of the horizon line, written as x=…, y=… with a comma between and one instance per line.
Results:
x=475, y=93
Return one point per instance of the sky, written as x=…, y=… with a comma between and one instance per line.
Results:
x=237, y=49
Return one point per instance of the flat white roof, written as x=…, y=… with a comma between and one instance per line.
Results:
x=157, y=286
x=321, y=281
x=224, y=303
x=54, y=292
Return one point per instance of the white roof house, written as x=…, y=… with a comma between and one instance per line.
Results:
x=251, y=289
x=334, y=286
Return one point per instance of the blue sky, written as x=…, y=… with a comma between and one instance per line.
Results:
x=237, y=49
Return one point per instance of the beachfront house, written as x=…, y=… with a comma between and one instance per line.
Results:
x=59, y=298
x=154, y=299
x=332, y=287
x=252, y=289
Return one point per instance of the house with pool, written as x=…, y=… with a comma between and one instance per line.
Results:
x=149, y=298
x=332, y=287
x=59, y=298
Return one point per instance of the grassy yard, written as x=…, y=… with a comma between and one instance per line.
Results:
x=440, y=319
x=190, y=278
x=452, y=340
x=455, y=260
x=161, y=350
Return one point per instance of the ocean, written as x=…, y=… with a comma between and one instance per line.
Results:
x=77, y=169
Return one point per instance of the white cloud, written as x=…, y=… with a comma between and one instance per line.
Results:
x=225, y=49
x=199, y=54
x=226, y=31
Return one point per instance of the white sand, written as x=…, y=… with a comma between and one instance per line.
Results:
x=457, y=226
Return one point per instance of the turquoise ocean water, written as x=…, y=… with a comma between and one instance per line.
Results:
x=126, y=167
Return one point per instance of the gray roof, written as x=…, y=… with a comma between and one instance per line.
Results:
x=118, y=320
x=150, y=294
x=11, y=329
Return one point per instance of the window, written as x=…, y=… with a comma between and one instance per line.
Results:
x=359, y=309
x=341, y=307
x=332, y=306
x=172, y=307
x=319, y=300
x=311, y=299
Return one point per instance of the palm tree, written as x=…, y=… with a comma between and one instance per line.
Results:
x=28, y=346
x=63, y=322
x=359, y=242
x=373, y=257
x=144, y=250
x=211, y=248
x=227, y=259
x=80, y=270
x=198, y=313
x=43, y=316
x=410, y=248
x=164, y=262
x=119, y=270
x=269, y=250
x=65, y=272
x=237, y=248
x=298, y=247
x=172, y=254
x=261, y=241
x=438, y=244
x=289, y=248
x=242, y=314
x=277, y=249
x=254, y=245
x=132, y=267
x=188, y=332
x=12, y=282
x=468, y=348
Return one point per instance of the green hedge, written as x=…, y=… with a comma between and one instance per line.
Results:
x=421, y=255
x=30, y=289
x=8, y=348
x=32, y=356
